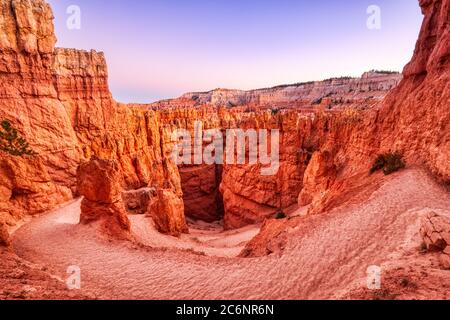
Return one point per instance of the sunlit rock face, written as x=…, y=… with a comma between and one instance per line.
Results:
x=331, y=93
x=30, y=102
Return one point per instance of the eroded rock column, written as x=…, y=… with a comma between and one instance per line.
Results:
x=167, y=211
x=99, y=181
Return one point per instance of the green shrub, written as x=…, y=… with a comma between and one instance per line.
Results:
x=12, y=143
x=280, y=215
x=388, y=163
x=275, y=111
x=423, y=248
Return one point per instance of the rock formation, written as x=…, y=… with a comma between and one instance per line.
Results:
x=201, y=195
x=59, y=100
x=369, y=89
x=413, y=119
x=330, y=131
x=29, y=101
x=99, y=182
x=319, y=174
x=415, y=116
x=167, y=211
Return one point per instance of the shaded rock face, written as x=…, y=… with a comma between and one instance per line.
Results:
x=167, y=211
x=99, y=181
x=4, y=236
x=318, y=176
x=137, y=201
x=201, y=196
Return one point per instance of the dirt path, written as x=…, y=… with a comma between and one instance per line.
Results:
x=325, y=256
x=204, y=238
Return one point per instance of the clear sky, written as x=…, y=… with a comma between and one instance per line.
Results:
x=159, y=49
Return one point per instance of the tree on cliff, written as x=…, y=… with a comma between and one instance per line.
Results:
x=12, y=143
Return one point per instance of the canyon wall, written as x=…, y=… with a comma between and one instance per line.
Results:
x=246, y=196
x=326, y=156
x=307, y=115
x=110, y=130
x=59, y=100
x=413, y=119
x=330, y=131
x=28, y=99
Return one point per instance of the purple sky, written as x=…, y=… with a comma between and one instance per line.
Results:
x=160, y=49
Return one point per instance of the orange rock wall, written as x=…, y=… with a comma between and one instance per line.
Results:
x=59, y=100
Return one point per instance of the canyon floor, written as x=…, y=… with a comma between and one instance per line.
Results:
x=326, y=256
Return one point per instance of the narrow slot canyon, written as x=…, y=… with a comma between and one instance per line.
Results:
x=201, y=195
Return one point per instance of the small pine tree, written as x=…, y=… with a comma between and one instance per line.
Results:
x=12, y=143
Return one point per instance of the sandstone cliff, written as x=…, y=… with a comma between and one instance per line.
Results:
x=30, y=102
x=413, y=119
x=59, y=100
x=370, y=88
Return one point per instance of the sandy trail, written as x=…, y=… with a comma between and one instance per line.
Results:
x=326, y=255
x=206, y=238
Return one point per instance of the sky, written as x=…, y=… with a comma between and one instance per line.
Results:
x=158, y=49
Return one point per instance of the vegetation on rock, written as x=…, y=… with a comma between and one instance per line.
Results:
x=388, y=162
x=12, y=143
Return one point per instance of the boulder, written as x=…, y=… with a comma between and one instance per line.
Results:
x=434, y=231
